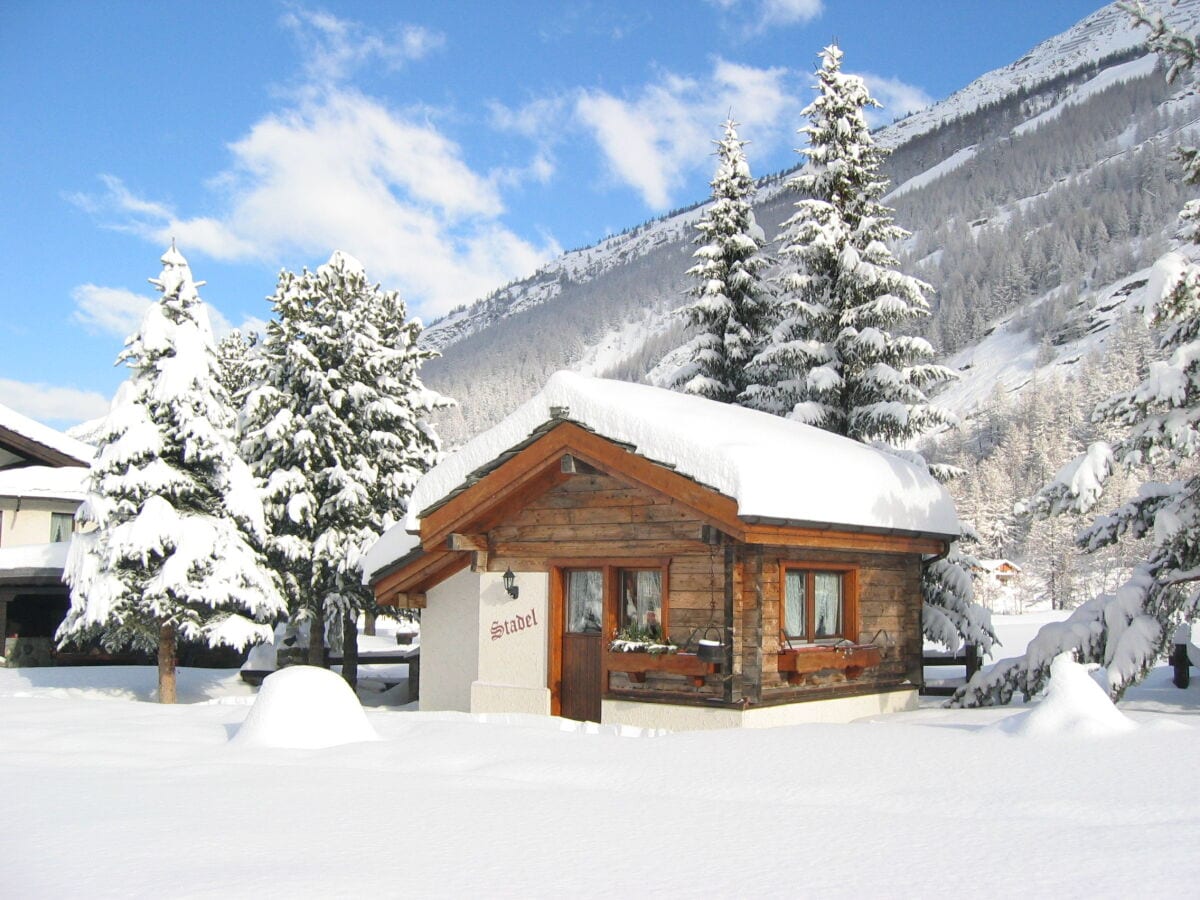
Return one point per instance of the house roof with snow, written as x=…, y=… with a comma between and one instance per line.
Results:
x=34, y=563
x=775, y=469
x=742, y=469
x=25, y=442
x=45, y=483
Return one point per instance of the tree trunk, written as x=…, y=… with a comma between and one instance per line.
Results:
x=350, y=648
x=316, y=639
x=166, y=664
x=369, y=623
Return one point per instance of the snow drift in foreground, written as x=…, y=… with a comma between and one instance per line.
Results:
x=1074, y=704
x=305, y=708
x=132, y=799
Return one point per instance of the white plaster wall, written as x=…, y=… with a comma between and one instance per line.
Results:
x=698, y=718
x=31, y=523
x=513, y=646
x=449, y=649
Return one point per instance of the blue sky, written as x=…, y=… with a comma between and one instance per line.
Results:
x=451, y=146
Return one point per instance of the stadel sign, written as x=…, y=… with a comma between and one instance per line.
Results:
x=504, y=627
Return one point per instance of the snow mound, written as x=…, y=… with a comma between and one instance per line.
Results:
x=261, y=658
x=1074, y=704
x=304, y=708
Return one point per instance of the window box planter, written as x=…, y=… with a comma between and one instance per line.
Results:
x=636, y=665
x=852, y=659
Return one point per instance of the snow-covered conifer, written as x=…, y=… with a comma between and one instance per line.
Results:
x=729, y=302
x=336, y=427
x=1158, y=421
x=234, y=354
x=175, y=551
x=832, y=359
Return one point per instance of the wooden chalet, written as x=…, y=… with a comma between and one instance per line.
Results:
x=782, y=562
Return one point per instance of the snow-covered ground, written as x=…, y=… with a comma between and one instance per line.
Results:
x=109, y=795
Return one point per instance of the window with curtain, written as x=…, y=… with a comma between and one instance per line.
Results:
x=62, y=525
x=641, y=600
x=585, y=601
x=814, y=605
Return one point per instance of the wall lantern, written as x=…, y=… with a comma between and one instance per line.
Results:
x=510, y=583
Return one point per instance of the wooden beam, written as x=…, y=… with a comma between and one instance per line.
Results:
x=832, y=539
x=479, y=561
x=458, y=541
x=420, y=574
x=410, y=601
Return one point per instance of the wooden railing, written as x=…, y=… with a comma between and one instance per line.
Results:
x=969, y=657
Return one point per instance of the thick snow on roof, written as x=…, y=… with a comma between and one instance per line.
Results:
x=774, y=468
x=45, y=435
x=45, y=482
x=34, y=556
x=392, y=545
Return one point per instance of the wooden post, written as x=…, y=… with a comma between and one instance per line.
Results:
x=973, y=661
x=350, y=648
x=166, y=663
x=414, y=678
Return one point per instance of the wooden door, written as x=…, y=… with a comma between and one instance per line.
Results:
x=583, y=616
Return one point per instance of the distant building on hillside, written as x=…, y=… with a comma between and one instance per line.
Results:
x=43, y=475
x=1001, y=571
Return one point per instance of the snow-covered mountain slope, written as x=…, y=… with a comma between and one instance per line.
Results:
x=1009, y=357
x=1103, y=34
x=1040, y=184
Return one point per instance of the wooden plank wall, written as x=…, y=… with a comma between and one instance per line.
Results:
x=889, y=598
x=594, y=516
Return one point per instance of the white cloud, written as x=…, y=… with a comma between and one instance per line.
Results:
x=119, y=312
x=756, y=16
x=654, y=140
x=105, y=310
x=339, y=170
x=333, y=48
x=896, y=97
x=48, y=403
x=788, y=12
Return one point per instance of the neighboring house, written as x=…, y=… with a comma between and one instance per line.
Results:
x=1001, y=571
x=42, y=482
x=621, y=508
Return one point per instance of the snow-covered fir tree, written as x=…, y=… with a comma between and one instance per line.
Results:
x=335, y=426
x=1158, y=421
x=729, y=302
x=832, y=358
x=175, y=553
x=235, y=352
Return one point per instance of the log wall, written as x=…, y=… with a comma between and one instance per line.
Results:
x=594, y=517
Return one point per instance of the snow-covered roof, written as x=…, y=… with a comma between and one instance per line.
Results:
x=45, y=482
x=25, y=427
x=34, y=558
x=773, y=468
x=394, y=544
x=996, y=565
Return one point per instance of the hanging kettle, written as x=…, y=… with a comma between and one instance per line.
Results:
x=708, y=650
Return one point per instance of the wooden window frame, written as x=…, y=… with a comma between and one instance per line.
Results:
x=850, y=616
x=611, y=567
